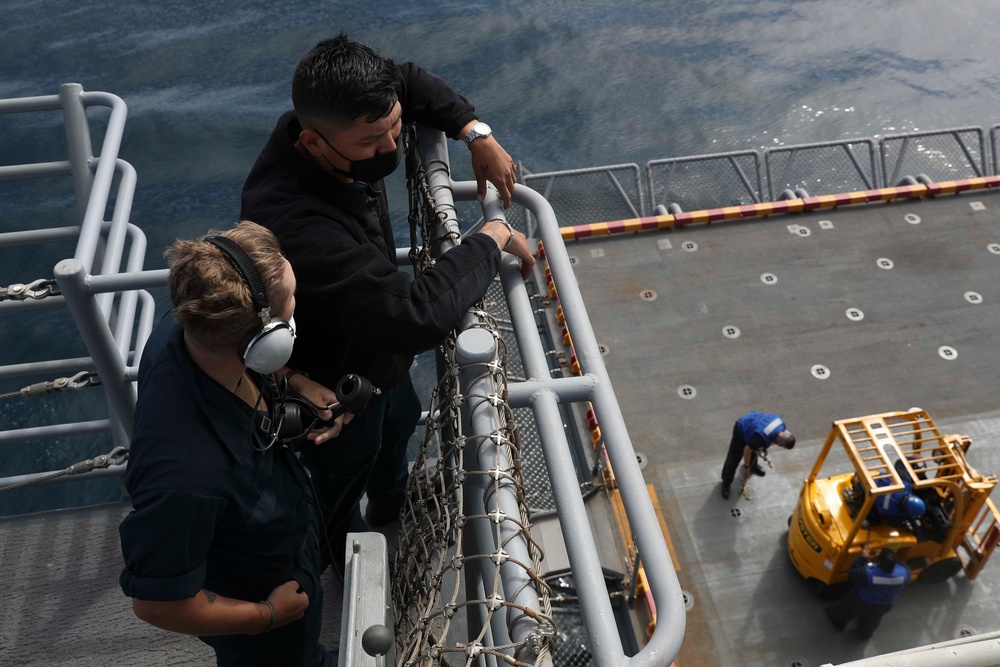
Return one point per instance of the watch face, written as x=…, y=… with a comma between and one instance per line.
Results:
x=478, y=130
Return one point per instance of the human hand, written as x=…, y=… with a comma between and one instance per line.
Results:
x=490, y=162
x=320, y=435
x=520, y=249
x=320, y=395
x=290, y=603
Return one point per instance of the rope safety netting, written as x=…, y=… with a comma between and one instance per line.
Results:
x=466, y=578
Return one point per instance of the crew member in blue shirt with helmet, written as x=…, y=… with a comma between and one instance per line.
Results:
x=753, y=433
x=878, y=583
x=899, y=505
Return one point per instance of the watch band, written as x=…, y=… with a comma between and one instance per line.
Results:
x=479, y=130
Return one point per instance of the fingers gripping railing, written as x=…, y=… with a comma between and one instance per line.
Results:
x=543, y=394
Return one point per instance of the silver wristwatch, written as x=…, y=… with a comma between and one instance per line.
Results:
x=479, y=130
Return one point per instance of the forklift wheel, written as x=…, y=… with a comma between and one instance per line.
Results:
x=830, y=591
x=816, y=586
x=940, y=571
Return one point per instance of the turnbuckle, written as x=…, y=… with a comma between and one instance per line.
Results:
x=78, y=381
x=115, y=457
x=36, y=289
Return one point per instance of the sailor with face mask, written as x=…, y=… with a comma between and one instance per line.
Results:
x=318, y=185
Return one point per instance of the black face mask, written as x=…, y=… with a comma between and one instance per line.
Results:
x=369, y=170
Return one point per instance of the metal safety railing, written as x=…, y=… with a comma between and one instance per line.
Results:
x=465, y=523
x=612, y=191
x=543, y=395
x=86, y=284
x=821, y=168
x=938, y=155
x=729, y=178
x=995, y=148
x=469, y=475
x=697, y=182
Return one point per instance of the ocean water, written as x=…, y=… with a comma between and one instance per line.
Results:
x=564, y=85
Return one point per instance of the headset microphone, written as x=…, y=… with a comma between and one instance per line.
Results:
x=269, y=348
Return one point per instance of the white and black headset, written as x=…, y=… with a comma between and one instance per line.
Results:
x=268, y=349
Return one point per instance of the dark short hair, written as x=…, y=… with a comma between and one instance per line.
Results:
x=887, y=559
x=786, y=439
x=339, y=81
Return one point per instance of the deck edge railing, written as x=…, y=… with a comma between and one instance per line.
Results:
x=88, y=283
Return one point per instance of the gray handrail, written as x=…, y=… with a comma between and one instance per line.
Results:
x=474, y=347
x=891, y=179
x=609, y=171
x=543, y=394
x=90, y=297
x=100, y=191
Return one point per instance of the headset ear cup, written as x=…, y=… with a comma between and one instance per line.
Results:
x=270, y=349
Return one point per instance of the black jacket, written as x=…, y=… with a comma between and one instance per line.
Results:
x=356, y=312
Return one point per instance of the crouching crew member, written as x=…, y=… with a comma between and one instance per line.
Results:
x=753, y=433
x=877, y=586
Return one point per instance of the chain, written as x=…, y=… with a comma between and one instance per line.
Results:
x=414, y=174
x=744, y=490
x=762, y=455
x=81, y=380
x=37, y=289
x=116, y=457
x=416, y=188
x=424, y=209
x=435, y=211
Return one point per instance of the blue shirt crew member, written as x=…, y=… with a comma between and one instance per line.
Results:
x=903, y=504
x=877, y=587
x=752, y=433
x=222, y=541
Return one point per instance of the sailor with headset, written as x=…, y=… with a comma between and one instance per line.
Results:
x=224, y=541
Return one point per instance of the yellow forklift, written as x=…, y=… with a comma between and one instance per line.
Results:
x=834, y=521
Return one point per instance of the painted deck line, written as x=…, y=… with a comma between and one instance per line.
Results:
x=785, y=206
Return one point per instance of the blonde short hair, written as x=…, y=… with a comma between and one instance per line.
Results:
x=211, y=300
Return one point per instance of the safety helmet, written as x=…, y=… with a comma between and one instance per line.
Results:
x=914, y=506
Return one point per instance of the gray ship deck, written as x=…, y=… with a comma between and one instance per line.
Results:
x=750, y=607
x=63, y=605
